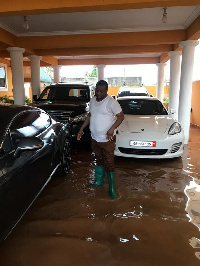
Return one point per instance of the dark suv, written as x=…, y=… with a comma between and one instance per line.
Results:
x=68, y=103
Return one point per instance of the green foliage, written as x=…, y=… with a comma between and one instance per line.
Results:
x=92, y=74
x=9, y=99
x=166, y=100
x=27, y=100
x=6, y=99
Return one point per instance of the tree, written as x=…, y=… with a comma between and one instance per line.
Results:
x=49, y=71
x=92, y=74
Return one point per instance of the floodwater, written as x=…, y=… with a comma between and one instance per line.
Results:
x=155, y=220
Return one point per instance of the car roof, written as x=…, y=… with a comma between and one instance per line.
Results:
x=68, y=85
x=7, y=114
x=133, y=89
x=137, y=97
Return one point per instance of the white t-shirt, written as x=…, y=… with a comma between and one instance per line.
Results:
x=102, y=117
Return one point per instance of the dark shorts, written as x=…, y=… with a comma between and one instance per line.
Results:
x=104, y=153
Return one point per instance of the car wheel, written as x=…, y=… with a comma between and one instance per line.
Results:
x=65, y=160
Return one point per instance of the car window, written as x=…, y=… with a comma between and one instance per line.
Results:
x=29, y=124
x=142, y=107
x=65, y=93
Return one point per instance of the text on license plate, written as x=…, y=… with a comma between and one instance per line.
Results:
x=143, y=143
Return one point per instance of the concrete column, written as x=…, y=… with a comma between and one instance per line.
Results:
x=174, y=85
x=100, y=69
x=186, y=85
x=56, y=71
x=160, y=85
x=35, y=74
x=16, y=55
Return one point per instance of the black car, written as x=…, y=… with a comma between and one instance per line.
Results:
x=68, y=103
x=33, y=147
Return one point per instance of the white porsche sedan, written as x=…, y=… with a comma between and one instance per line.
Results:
x=148, y=131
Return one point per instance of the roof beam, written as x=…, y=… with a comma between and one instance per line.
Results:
x=193, y=31
x=135, y=49
x=49, y=60
x=164, y=58
x=7, y=39
x=5, y=61
x=103, y=40
x=110, y=61
x=24, y=7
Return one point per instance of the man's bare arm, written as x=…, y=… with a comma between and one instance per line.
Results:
x=84, y=125
x=110, y=132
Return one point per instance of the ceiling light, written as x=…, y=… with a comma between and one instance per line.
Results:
x=25, y=24
x=164, y=18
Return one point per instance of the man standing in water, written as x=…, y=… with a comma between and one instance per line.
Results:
x=101, y=118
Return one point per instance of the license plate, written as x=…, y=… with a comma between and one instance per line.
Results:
x=143, y=143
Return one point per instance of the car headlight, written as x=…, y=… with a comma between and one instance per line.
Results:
x=174, y=129
x=80, y=118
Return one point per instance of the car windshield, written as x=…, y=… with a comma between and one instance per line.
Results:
x=128, y=93
x=142, y=107
x=65, y=94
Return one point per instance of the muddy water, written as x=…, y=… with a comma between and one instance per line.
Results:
x=154, y=221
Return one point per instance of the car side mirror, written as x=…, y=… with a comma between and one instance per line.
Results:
x=35, y=98
x=172, y=111
x=28, y=144
x=113, y=96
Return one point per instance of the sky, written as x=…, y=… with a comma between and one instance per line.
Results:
x=147, y=72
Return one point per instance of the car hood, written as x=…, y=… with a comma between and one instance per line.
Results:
x=74, y=108
x=145, y=123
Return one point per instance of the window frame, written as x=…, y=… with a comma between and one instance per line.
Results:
x=6, y=78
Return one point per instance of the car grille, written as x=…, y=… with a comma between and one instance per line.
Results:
x=175, y=147
x=143, y=151
x=59, y=115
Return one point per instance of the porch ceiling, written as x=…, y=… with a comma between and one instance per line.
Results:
x=98, y=32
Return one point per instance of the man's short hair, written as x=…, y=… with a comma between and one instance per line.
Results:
x=102, y=83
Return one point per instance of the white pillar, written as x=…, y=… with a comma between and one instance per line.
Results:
x=26, y=88
x=16, y=55
x=35, y=74
x=186, y=85
x=174, y=85
x=56, y=71
x=100, y=69
x=160, y=85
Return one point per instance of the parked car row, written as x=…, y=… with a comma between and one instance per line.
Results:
x=35, y=141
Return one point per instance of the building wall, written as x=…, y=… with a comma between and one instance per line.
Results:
x=195, y=104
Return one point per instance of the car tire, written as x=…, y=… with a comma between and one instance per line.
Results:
x=65, y=159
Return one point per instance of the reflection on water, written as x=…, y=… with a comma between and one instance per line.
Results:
x=123, y=240
x=192, y=192
x=128, y=214
x=195, y=243
x=154, y=222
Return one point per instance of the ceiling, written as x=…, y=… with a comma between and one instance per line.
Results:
x=98, y=32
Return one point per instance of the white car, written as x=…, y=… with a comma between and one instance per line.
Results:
x=148, y=131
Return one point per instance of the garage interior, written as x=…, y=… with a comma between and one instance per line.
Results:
x=155, y=221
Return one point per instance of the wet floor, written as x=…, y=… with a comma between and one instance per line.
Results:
x=154, y=221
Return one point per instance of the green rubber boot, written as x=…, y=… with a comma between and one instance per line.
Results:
x=111, y=180
x=99, y=175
